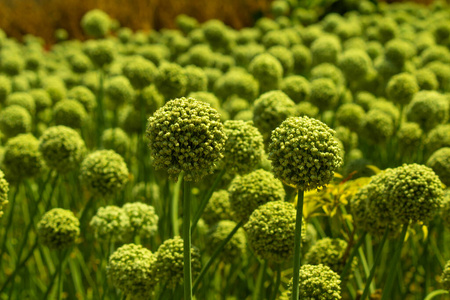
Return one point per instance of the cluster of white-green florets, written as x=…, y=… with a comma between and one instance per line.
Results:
x=58, y=228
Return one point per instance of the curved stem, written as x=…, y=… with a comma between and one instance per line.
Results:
x=187, y=240
x=375, y=264
x=348, y=263
x=297, y=245
x=435, y=293
x=395, y=260
x=215, y=255
x=205, y=199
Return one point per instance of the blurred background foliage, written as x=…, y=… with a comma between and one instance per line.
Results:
x=42, y=17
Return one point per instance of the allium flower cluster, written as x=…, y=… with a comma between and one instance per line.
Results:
x=4, y=189
x=235, y=248
x=14, y=120
x=131, y=269
x=318, y=282
x=143, y=219
x=304, y=153
x=439, y=161
x=170, y=262
x=62, y=148
x=271, y=231
x=252, y=190
x=218, y=208
x=110, y=223
x=58, y=228
x=186, y=135
x=104, y=172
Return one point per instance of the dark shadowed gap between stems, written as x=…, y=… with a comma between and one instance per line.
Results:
x=9, y=222
x=349, y=259
x=277, y=283
x=297, y=245
x=259, y=288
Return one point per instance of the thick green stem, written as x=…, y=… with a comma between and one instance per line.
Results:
x=375, y=264
x=187, y=240
x=215, y=255
x=297, y=246
x=205, y=200
x=174, y=205
x=395, y=260
x=348, y=263
x=259, y=288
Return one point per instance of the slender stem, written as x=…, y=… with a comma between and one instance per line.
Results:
x=435, y=293
x=215, y=255
x=174, y=206
x=348, y=263
x=85, y=212
x=61, y=256
x=395, y=260
x=205, y=199
x=277, y=283
x=9, y=223
x=297, y=246
x=187, y=240
x=259, y=289
x=375, y=264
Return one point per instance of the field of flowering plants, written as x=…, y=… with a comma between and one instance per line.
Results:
x=306, y=157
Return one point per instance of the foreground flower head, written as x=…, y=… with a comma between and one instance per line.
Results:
x=131, y=270
x=186, y=135
x=304, y=153
x=58, y=228
x=4, y=188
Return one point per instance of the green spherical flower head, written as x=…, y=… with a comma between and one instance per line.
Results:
x=365, y=100
x=439, y=161
x=304, y=153
x=22, y=158
x=445, y=277
x=244, y=147
x=116, y=139
x=96, y=23
x=428, y=109
x=56, y=88
x=296, y=87
x=80, y=63
x=324, y=93
x=218, y=208
x=252, y=190
x=110, y=223
x=186, y=23
x=70, y=113
x=101, y=52
x=328, y=252
x=130, y=120
x=234, y=105
x=12, y=64
x=235, y=248
x=131, y=269
x=270, y=109
x=140, y=72
x=355, y=64
x=307, y=109
x=399, y=51
x=409, y=137
x=62, y=148
x=186, y=135
x=22, y=99
x=58, y=228
x=5, y=88
x=83, y=95
x=351, y=115
x=104, y=172
x=119, y=91
x=348, y=138
x=197, y=80
x=14, y=120
x=4, y=189
x=271, y=231
x=236, y=82
x=426, y=79
x=401, y=88
x=151, y=98
x=170, y=262
x=388, y=108
x=318, y=282
x=171, y=81
x=438, y=138
x=284, y=56
x=143, y=219
x=42, y=99
x=414, y=193
x=267, y=70
x=325, y=49
x=378, y=126
x=302, y=59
